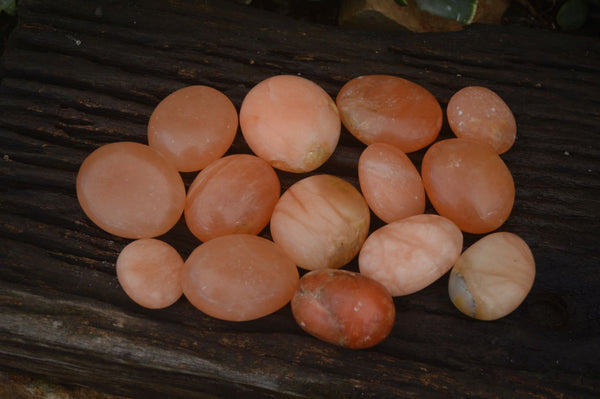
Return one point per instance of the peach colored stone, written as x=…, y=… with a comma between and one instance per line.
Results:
x=468, y=183
x=239, y=277
x=193, y=126
x=390, y=109
x=234, y=194
x=290, y=122
x=149, y=271
x=343, y=308
x=410, y=254
x=321, y=222
x=390, y=183
x=492, y=277
x=130, y=190
x=479, y=114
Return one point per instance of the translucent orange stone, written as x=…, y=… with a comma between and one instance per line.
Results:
x=390, y=182
x=410, y=254
x=239, y=277
x=468, y=183
x=390, y=109
x=193, y=126
x=290, y=122
x=343, y=308
x=234, y=194
x=480, y=114
x=492, y=277
x=130, y=190
x=149, y=271
x=321, y=222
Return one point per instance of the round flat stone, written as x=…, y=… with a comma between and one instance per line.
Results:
x=492, y=277
x=390, y=182
x=390, y=109
x=480, y=114
x=290, y=122
x=193, y=126
x=149, y=271
x=130, y=190
x=239, y=277
x=234, y=194
x=468, y=183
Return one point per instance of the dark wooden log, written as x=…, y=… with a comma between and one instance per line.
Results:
x=78, y=74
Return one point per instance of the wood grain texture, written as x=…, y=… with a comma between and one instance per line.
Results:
x=77, y=75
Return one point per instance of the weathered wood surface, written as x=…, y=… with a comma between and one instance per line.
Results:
x=80, y=74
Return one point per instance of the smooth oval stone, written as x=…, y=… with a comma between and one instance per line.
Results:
x=233, y=195
x=193, y=126
x=149, y=271
x=390, y=109
x=492, y=277
x=479, y=114
x=343, y=308
x=130, y=190
x=290, y=122
x=390, y=183
x=321, y=222
x=468, y=183
x=410, y=254
x=239, y=277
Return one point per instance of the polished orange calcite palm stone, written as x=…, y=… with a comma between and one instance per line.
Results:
x=234, y=194
x=130, y=190
x=480, y=114
x=390, y=182
x=239, y=277
x=492, y=277
x=343, y=308
x=321, y=222
x=409, y=254
x=149, y=270
x=193, y=126
x=290, y=122
x=390, y=109
x=468, y=183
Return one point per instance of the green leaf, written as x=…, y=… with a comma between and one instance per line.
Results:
x=572, y=15
x=402, y=3
x=8, y=6
x=462, y=11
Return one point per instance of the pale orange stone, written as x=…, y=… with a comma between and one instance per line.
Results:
x=390, y=109
x=321, y=222
x=130, y=190
x=468, y=183
x=193, y=126
x=234, y=194
x=390, y=182
x=492, y=277
x=479, y=114
x=239, y=277
x=410, y=254
x=149, y=271
x=290, y=122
